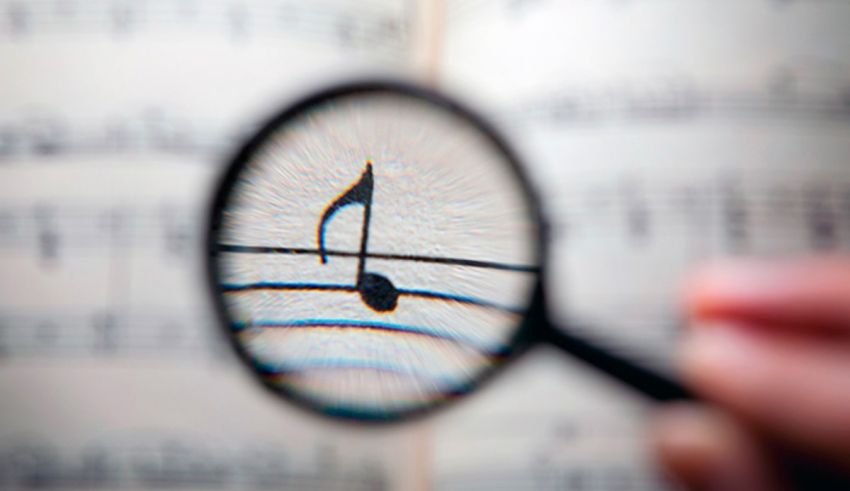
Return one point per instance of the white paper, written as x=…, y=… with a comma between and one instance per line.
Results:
x=659, y=132
x=115, y=121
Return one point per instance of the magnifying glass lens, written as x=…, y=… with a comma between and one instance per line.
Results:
x=374, y=252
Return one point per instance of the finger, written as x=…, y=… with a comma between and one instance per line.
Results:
x=795, y=389
x=812, y=293
x=704, y=450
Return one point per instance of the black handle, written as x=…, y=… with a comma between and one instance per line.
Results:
x=653, y=384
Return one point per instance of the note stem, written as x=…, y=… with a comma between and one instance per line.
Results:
x=366, y=180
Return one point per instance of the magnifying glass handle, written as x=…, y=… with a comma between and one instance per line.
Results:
x=801, y=473
x=653, y=384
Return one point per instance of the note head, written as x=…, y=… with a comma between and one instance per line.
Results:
x=378, y=292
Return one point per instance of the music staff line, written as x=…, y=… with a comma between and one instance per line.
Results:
x=329, y=287
x=109, y=331
x=396, y=367
x=821, y=212
x=383, y=327
x=377, y=255
x=466, y=10
x=53, y=229
x=181, y=333
x=678, y=104
x=148, y=130
x=351, y=288
x=365, y=27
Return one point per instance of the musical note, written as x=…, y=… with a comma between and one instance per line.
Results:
x=821, y=219
x=18, y=18
x=48, y=236
x=736, y=216
x=376, y=290
x=105, y=325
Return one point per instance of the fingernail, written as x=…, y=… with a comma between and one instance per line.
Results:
x=687, y=445
x=744, y=274
x=701, y=450
x=734, y=281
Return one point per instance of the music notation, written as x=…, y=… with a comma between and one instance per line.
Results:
x=438, y=185
x=614, y=232
x=603, y=259
x=100, y=331
x=586, y=438
x=686, y=102
x=64, y=232
x=170, y=462
x=817, y=215
x=377, y=27
x=144, y=131
x=121, y=246
x=726, y=214
x=353, y=288
x=376, y=290
x=559, y=474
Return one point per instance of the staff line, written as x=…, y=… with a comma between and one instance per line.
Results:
x=385, y=327
x=279, y=286
x=272, y=371
x=475, y=263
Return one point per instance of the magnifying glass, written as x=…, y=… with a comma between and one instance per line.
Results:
x=376, y=251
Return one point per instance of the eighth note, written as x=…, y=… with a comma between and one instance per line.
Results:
x=376, y=290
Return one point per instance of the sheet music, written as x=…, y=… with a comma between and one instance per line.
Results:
x=546, y=423
x=659, y=134
x=653, y=151
x=120, y=114
x=116, y=119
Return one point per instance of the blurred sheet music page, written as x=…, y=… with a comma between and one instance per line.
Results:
x=115, y=116
x=660, y=132
x=663, y=133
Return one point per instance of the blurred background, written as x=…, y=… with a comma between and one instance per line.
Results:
x=659, y=132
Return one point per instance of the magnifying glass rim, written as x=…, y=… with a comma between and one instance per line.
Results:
x=533, y=318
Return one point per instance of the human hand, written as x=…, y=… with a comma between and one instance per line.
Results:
x=770, y=348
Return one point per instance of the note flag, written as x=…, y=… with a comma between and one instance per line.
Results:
x=376, y=290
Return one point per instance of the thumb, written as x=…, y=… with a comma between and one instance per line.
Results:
x=704, y=450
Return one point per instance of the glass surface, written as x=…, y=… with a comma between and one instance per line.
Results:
x=376, y=254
